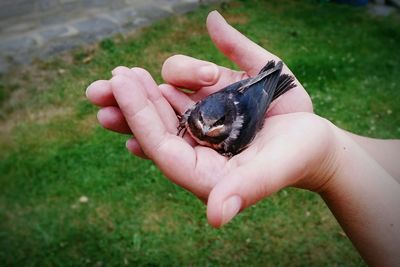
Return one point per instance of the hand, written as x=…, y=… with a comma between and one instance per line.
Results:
x=134, y=103
x=204, y=78
x=284, y=153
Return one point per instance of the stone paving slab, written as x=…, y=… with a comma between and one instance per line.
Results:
x=381, y=10
x=21, y=43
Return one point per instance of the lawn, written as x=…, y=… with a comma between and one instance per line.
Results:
x=54, y=154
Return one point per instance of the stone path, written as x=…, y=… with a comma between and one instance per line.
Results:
x=49, y=30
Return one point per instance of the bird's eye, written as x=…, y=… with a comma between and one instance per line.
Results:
x=201, y=118
x=221, y=121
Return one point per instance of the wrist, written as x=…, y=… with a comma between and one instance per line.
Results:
x=325, y=162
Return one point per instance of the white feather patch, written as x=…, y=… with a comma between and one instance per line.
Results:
x=236, y=127
x=202, y=142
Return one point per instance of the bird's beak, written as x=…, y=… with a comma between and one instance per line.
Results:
x=205, y=130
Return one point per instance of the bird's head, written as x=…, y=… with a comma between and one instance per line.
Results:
x=212, y=119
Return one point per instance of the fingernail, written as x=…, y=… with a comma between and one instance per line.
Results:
x=230, y=208
x=87, y=92
x=99, y=114
x=164, y=86
x=208, y=73
x=128, y=144
x=216, y=13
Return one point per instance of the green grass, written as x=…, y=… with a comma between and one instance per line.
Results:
x=53, y=152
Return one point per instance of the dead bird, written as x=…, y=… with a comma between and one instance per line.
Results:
x=229, y=119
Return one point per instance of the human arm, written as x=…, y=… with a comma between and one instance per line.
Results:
x=297, y=149
x=365, y=199
x=384, y=152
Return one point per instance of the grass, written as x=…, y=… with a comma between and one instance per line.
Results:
x=53, y=152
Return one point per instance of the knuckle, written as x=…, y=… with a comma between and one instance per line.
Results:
x=118, y=69
x=172, y=60
x=117, y=82
x=140, y=72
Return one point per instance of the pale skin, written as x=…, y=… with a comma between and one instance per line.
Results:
x=358, y=177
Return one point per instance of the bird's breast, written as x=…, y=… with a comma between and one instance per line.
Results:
x=204, y=140
x=216, y=131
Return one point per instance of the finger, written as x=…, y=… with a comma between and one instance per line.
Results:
x=175, y=157
x=178, y=100
x=247, y=184
x=120, y=70
x=112, y=119
x=100, y=94
x=162, y=106
x=144, y=76
x=194, y=74
x=187, y=72
x=249, y=56
x=139, y=112
x=133, y=146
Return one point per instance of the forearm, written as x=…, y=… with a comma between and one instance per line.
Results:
x=365, y=199
x=385, y=152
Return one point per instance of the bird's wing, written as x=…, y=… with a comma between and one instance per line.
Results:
x=265, y=75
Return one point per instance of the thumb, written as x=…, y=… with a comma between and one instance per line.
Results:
x=249, y=183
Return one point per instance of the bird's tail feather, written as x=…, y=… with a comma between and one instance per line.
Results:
x=272, y=81
x=285, y=83
x=270, y=64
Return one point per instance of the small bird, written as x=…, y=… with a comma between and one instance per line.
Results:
x=229, y=119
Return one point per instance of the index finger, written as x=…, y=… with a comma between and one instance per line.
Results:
x=174, y=156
